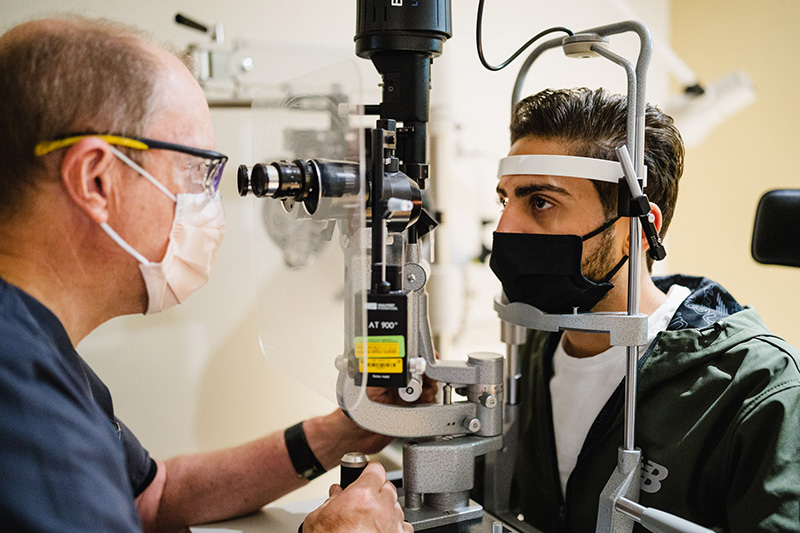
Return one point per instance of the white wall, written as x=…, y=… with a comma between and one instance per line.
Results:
x=193, y=378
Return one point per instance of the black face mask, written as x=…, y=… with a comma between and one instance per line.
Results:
x=545, y=270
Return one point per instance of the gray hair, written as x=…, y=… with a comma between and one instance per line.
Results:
x=63, y=76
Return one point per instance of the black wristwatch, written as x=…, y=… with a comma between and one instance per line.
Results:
x=303, y=459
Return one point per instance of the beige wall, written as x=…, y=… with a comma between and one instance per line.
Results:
x=751, y=153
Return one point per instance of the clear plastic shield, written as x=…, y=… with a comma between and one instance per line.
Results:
x=310, y=251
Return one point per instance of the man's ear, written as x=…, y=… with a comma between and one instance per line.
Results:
x=657, y=219
x=87, y=177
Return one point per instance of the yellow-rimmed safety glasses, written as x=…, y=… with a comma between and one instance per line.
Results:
x=210, y=168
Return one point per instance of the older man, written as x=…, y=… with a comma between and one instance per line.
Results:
x=109, y=206
x=718, y=394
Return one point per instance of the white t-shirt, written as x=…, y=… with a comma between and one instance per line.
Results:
x=580, y=387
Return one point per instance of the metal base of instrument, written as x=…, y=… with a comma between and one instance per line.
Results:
x=487, y=523
x=428, y=517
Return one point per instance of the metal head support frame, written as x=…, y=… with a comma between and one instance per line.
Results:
x=617, y=508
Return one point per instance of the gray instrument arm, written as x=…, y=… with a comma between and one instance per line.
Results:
x=657, y=521
x=482, y=415
x=516, y=94
x=627, y=168
x=397, y=421
x=623, y=329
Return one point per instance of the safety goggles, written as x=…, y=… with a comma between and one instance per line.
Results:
x=210, y=167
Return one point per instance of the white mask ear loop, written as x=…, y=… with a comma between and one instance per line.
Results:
x=113, y=234
x=135, y=166
x=124, y=245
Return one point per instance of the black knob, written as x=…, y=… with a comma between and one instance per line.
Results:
x=352, y=464
x=243, y=180
x=186, y=21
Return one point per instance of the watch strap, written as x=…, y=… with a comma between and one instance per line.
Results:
x=303, y=459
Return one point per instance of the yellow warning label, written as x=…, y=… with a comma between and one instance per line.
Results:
x=378, y=349
x=382, y=366
x=384, y=354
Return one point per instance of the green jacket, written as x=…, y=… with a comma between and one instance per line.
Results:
x=718, y=423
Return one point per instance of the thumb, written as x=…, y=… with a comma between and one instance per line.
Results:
x=334, y=490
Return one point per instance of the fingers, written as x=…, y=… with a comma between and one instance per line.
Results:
x=398, y=517
x=373, y=476
x=389, y=486
x=389, y=489
x=369, y=501
x=430, y=389
x=382, y=394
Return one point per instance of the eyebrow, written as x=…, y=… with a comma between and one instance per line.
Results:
x=528, y=190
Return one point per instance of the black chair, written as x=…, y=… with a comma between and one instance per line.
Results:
x=776, y=232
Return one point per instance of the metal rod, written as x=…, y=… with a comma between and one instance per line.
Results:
x=627, y=167
x=634, y=278
x=632, y=89
x=513, y=336
x=645, y=52
x=642, y=64
x=523, y=71
x=629, y=508
x=513, y=374
x=635, y=264
x=378, y=221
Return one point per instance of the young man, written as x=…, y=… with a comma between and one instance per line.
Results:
x=718, y=416
x=108, y=206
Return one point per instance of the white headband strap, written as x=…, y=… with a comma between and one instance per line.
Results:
x=561, y=165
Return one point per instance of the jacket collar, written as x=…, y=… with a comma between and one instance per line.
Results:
x=707, y=303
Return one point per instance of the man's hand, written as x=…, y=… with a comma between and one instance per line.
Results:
x=369, y=442
x=335, y=434
x=391, y=396
x=369, y=504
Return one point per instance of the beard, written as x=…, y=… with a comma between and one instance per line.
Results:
x=597, y=264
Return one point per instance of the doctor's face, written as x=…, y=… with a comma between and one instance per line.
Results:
x=180, y=116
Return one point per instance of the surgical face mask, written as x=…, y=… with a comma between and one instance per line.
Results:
x=196, y=234
x=545, y=270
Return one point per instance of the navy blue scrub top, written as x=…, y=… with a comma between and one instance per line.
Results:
x=66, y=462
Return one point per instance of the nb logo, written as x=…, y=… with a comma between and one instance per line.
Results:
x=652, y=476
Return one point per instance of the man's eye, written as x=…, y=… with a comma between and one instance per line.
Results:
x=502, y=201
x=538, y=202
